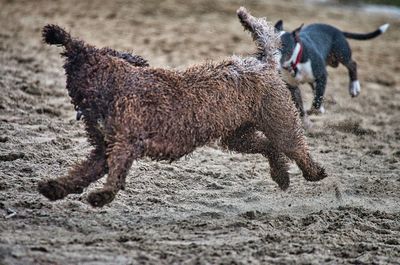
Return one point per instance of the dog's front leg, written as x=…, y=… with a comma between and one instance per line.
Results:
x=283, y=131
x=298, y=101
x=317, y=105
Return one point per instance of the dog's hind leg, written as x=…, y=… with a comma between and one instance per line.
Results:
x=354, y=87
x=298, y=101
x=342, y=52
x=79, y=177
x=247, y=140
x=120, y=156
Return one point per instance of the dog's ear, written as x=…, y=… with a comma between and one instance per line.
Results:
x=279, y=25
x=296, y=33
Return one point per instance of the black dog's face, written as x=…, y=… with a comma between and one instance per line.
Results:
x=288, y=44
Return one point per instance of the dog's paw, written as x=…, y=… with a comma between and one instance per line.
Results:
x=317, y=176
x=354, y=88
x=52, y=189
x=283, y=183
x=101, y=197
x=281, y=178
x=314, y=111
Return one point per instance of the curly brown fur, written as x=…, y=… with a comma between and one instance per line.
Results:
x=247, y=140
x=267, y=41
x=131, y=112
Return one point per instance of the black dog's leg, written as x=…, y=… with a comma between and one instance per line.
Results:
x=354, y=87
x=342, y=52
x=298, y=101
x=312, y=87
x=320, y=85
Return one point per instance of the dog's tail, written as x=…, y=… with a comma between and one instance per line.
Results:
x=55, y=35
x=263, y=33
x=367, y=36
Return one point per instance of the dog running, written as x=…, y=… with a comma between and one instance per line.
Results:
x=306, y=52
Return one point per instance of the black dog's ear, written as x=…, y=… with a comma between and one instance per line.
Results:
x=279, y=25
x=296, y=33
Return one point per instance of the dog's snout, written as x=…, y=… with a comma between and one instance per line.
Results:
x=285, y=66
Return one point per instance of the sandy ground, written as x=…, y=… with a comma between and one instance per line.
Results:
x=212, y=207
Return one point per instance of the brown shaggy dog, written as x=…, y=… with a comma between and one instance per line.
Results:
x=132, y=111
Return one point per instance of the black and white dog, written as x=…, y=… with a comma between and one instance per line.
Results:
x=305, y=52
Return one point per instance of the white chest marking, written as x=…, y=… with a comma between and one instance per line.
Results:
x=304, y=74
x=293, y=58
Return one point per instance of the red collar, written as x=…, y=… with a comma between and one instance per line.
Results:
x=298, y=57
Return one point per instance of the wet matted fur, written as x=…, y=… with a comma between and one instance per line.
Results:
x=131, y=111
